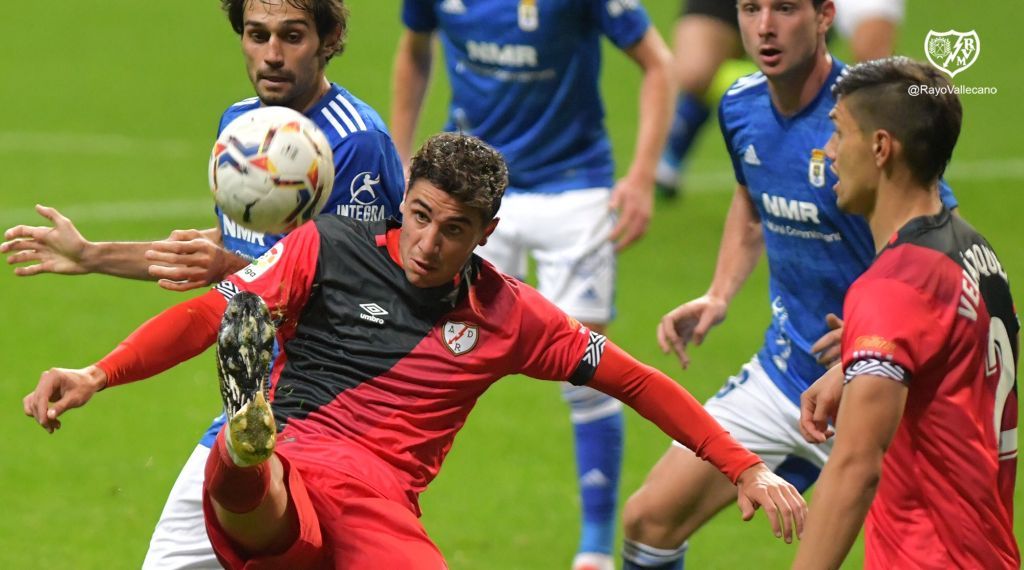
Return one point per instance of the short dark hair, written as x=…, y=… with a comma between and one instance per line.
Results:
x=329, y=15
x=878, y=95
x=466, y=168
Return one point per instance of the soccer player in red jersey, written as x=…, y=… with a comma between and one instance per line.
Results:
x=927, y=419
x=390, y=334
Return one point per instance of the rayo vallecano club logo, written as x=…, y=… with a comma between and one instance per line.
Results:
x=952, y=51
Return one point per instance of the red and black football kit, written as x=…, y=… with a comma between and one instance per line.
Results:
x=376, y=376
x=934, y=311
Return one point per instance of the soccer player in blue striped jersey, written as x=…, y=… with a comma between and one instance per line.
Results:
x=775, y=124
x=524, y=78
x=287, y=45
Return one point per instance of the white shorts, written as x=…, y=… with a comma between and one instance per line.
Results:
x=851, y=13
x=179, y=539
x=567, y=234
x=751, y=408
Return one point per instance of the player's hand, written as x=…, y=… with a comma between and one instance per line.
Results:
x=59, y=248
x=188, y=260
x=633, y=199
x=785, y=508
x=827, y=348
x=59, y=390
x=689, y=322
x=819, y=404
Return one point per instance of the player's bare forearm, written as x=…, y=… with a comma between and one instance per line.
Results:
x=657, y=95
x=410, y=77
x=119, y=259
x=740, y=248
x=869, y=414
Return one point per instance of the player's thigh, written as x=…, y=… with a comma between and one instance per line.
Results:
x=179, y=539
x=505, y=248
x=704, y=39
x=680, y=494
x=568, y=236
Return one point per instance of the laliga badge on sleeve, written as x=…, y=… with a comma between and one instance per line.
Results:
x=952, y=51
x=816, y=168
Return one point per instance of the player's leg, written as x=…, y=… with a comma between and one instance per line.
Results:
x=706, y=35
x=870, y=26
x=245, y=480
x=179, y=539
x=568, y=236
x=682, y=492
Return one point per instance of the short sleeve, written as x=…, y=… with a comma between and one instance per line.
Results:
x=367, y=173
x=624, y=21
x=419, y=15
x=946, y=194
x=890, y=330
x=553, y=345
x=283, y=276
x=727, y=136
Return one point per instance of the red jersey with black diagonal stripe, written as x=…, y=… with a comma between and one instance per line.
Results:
x=935, y=311
x=372, y=359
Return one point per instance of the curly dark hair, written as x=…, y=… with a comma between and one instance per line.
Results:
x=329, y=15
x=466, y=168
x=878, y=95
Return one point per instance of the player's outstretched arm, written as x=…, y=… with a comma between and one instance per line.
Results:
x=62, y=389
x=741, y=246
x=633, y=195
x=189, y=259
x=676, y=412
x=819, y=404
x=409, y=79
x=869, y=414
x=173, y=336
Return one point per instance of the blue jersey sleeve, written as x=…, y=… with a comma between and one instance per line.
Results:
x=419, y=15
x=946, y=194
x=624, y=21
x=727, y=137
x=368, y=179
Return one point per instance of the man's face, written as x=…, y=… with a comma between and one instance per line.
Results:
x=439, y=234
x=853, y=160
x=284, y=56
x=782, y=36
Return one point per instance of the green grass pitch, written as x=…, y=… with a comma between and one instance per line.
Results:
x=109, y=109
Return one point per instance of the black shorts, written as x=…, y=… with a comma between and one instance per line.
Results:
x=724, y=10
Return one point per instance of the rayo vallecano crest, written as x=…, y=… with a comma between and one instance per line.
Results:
x=460, y=338
x=952, y=51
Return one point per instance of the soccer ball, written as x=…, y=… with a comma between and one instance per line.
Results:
x=271, y=170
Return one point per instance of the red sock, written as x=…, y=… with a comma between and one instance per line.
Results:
x=237, y=489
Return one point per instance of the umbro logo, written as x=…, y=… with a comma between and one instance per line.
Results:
x=750, y=156
x=373, y=313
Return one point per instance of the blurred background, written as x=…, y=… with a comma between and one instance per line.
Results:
x=108, y=111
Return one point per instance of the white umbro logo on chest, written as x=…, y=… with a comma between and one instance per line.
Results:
x=373, y=313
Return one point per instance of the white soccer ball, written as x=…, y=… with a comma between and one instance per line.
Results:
x=271, y=170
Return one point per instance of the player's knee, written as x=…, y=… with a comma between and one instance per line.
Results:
x=648, y=521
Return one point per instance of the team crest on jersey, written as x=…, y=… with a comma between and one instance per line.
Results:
x=529, y=16
x=260, y=266
x=816, y=168
x=460, y=338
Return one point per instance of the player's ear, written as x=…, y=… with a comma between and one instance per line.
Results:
x=882, y=147
x=329, y=43
x=488, y=231
x=826, y=15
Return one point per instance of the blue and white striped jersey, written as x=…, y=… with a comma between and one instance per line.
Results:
x=368, y=178
x=524, y=78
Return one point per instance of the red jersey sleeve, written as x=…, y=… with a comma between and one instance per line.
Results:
x=669, y=406
x=890, y=329
x=553, y=345
x=283, y=276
